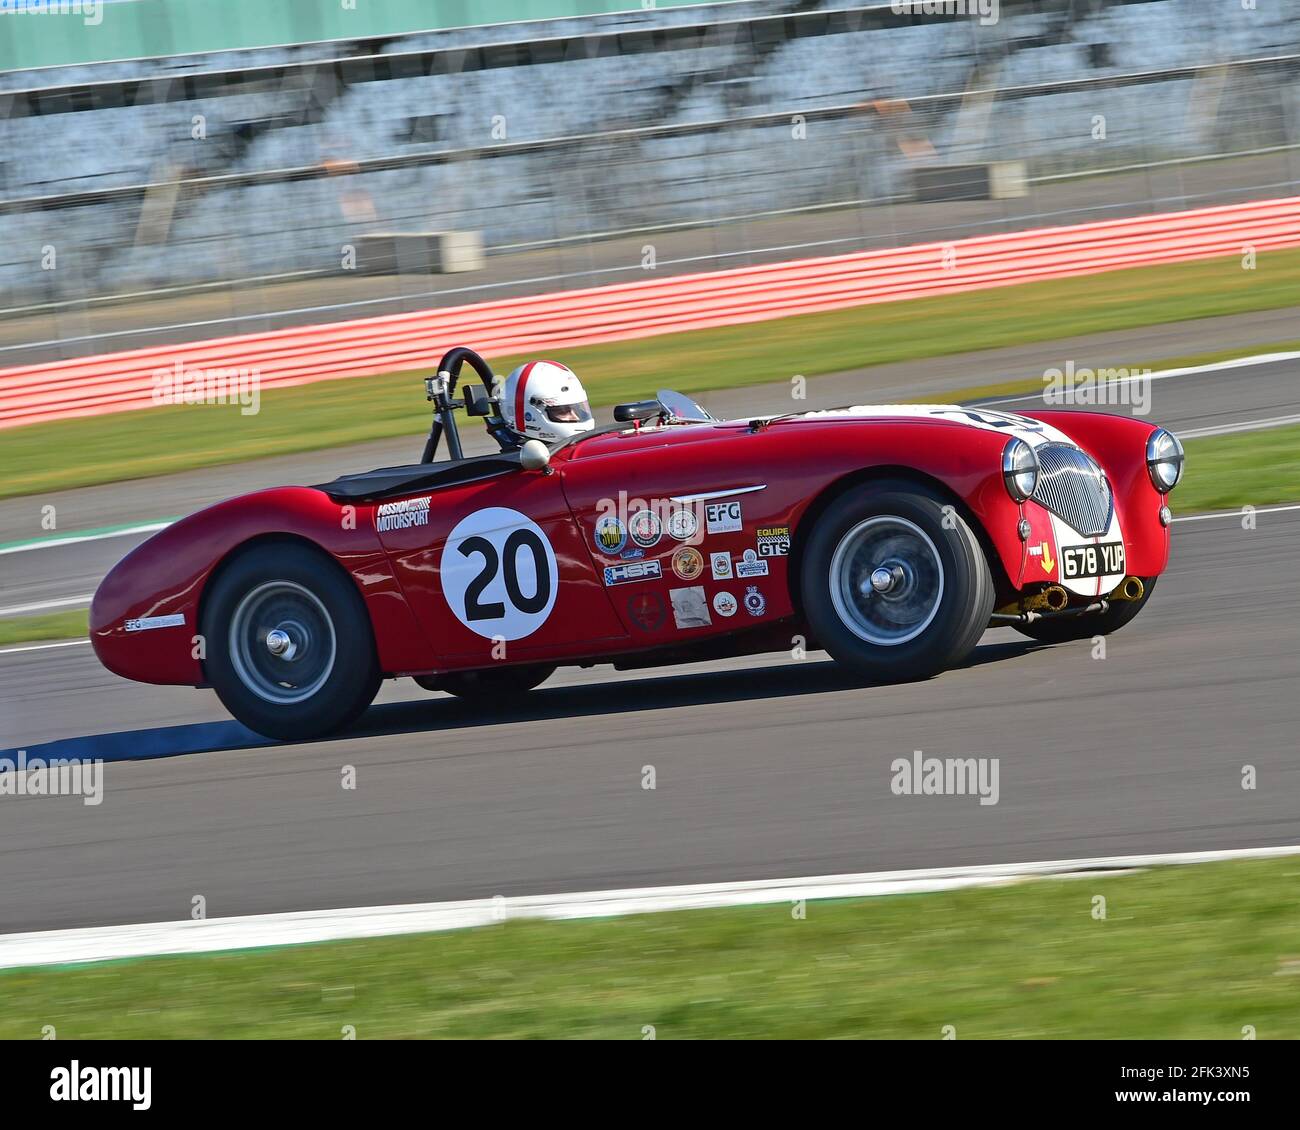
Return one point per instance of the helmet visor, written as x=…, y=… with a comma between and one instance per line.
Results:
x=577, y=413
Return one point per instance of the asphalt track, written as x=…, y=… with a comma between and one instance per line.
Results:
x=764, y=767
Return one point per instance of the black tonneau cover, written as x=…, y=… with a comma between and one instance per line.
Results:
x=386, y=482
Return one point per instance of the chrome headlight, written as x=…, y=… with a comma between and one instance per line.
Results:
x=1164, y=460
x=1019, y=469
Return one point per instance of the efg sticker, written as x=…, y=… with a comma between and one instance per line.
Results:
x=149, y=623
x=499, y=575
x=722, y=517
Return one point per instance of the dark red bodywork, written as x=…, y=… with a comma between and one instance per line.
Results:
x=802, y=463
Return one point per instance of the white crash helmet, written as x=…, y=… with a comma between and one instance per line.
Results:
x=545, y=400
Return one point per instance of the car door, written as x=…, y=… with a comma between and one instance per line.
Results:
x=496, y=570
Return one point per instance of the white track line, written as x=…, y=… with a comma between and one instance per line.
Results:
x=40, y=606
x=1165, y=374
x=104, y=943
x=1236, y=513
x=41, y=646
x=77, y=539
x=1241, y=426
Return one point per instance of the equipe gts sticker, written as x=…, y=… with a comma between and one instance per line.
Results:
x=773, y=541
x=499, y=575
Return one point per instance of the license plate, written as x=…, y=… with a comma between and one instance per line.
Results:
x=1102, y=560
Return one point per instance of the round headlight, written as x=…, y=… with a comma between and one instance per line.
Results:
x=1164, y=460
x=1019, y=469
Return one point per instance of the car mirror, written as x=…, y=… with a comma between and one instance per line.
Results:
x=476, y=401
x=534, y=455
x=642, y=410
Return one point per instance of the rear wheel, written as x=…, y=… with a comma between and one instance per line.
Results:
x=491, y=683
x=894, y=582
x=290, y=651
x=1063, y=629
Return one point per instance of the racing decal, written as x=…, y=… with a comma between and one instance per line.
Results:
x=1044, y=554
x=688, y=563
x=646, y=611
x=751, y=565
x=722, y=517
x=611, y=534
x=773, y=541
x=720, y=566
x=690, y=608
x=755, y=601
x=148, y=623
x=645, y=528
x=683, y=525
x=1033, y=432
x=403, y=514
x=724, y=604
x=499, y=574
x=632, y=571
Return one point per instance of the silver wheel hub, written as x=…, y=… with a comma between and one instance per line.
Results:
x=282, y=642
x=886, y=580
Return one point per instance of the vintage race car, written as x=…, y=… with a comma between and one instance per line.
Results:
x=891, y=536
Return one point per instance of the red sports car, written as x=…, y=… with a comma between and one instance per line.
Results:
x=892, y=536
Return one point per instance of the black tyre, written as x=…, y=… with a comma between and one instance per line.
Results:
x=496, y=683
x=290, y=650
x=895, y=584
x=1063, y=629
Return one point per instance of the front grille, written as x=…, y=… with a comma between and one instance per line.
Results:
x=1073, y=488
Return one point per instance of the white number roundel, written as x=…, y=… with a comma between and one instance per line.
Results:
x=499, y=574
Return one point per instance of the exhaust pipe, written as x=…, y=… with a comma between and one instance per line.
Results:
x=1052, y=599
x=1130, y=588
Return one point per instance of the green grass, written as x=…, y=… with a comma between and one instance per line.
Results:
x=129, y=445
x=1245, y=468
x=1183, y=952
x=50, y=626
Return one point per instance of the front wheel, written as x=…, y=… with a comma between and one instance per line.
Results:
x=895, y=584
x=290, y=650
